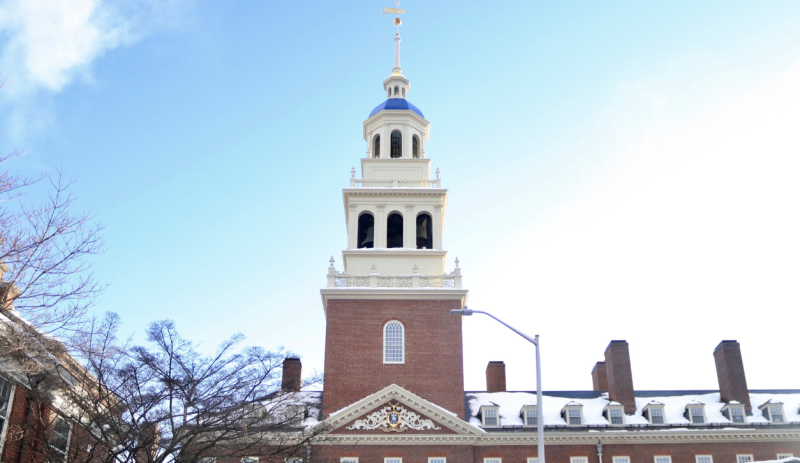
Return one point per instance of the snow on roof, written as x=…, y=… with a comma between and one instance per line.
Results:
x=278, y=402
x=772, y=401
x=511, y=404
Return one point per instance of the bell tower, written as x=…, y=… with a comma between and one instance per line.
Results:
x=388, y=309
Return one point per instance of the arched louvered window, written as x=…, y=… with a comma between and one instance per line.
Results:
x=366, y=231
x=394, y=230
x=390, y=93
x=376, y=146
x=394, y=342
x=397, y=144
x=415, y=147
x=397, y=90
x=424, y=231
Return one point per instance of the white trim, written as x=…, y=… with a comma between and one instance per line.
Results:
x=781, y=456
x=393, y=459
x=744, y=458
x=426, y=294
x=667, y=458
x=566, y=410
x=578, y=459
x=690, y=416
x=402, y=343
x=8, y=414
x=494, y=408
x=621, y=459
x=52, y=433
x=348, y=460
x=248, y=459
x=533, y=460
x=437, y=459
x=493, y=460
x=524, y=413
x=698, y=457
x=607, y=411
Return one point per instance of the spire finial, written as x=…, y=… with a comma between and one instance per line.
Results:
x=397, y=21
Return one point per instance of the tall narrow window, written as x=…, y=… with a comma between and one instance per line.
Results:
x=574, y=415
x=393, y=343
x=397, y=144
x=404, y=92
x=415, y=147
x=737, y=414
x=697, y=415
x=390, y=93
x=59, y=440
x=397, y=90
x=376, y=146
x=5, y=397
x=394, y=230
x=657, y=415
x=366, y=231
x=424, y=231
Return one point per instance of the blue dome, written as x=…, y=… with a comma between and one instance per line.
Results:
x=396, y=103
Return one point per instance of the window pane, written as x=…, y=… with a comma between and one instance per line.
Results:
x=490, y=417
x=777, y=414
x=393, y=460
x=578, y=460
x=393, y=339
x=697, y=415
x=663, y=459
x=533, y=460
x=744, y=458
x=781, y=456
x=492, y=460
x=437, y=460
x=704, y=459
x=530, y=417
x=349, y=460
x=60, y=436
x=622, y=460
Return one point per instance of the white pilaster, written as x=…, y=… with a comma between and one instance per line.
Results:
x=409, y=228
x=437, y=227
x=352, y=226
x=380, y=227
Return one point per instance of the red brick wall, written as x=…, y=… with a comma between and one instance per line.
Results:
x=730, y=373
x=619, y=375
x=16, y=422
x=599, y=377
x=496, y=377
x=354, y=367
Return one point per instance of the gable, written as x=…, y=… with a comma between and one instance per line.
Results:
x=396, y=411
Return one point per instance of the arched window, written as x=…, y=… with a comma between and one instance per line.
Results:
x=397, y=144
x=376, y=146
x=397, y=90
x=415, y=146
x=404, y=92
x=390, y=93
x=394, y=343
x=366, y=231
x=394, y=230
x=424, y=231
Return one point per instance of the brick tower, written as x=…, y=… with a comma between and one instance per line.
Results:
x=388, y=313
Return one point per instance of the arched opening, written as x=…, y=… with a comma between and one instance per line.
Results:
x=424, y=231
x=390, y=93
x=366, y=231
x=397, y=90
x=397, y=144
x=404, y=92
x=393, y=342
x=394, y=230
x=415, y=147
x=376, y=146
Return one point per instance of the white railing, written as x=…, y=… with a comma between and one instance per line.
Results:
x=343, y=280
x=364, y=183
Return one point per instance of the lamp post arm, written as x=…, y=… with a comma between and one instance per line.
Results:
x=528, y=338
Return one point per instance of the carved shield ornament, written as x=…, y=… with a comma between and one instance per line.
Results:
x=393, y=418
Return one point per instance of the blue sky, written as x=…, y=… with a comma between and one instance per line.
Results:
x=617, y=170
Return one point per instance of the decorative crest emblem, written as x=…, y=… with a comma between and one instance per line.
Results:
x=394, y=418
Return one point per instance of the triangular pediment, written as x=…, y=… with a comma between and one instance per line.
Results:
x=416, y=415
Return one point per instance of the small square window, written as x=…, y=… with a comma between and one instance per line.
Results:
x=393, y=460
x=348, y=460
x=744, y=458
x=578, y=460
x=492, y=460
x=656, y=415
x=490, y=417
x=697, y=415
x=663, y=459
x=574, y=415
x=776, y=413
x=615, y=415
x=781, y=456
x=737, y=414
x=533, y=459
x=530, y=417
x=622, y=459
x=437, y=460
x=704, y=459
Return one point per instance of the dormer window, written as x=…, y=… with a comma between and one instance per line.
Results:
x=734, y=411
x=530, y=415
x=615, y=414
x=573, y=414
x=695, y=413
x=773, y=411
x=654, y=412
x=490, y=416
x=295, y=415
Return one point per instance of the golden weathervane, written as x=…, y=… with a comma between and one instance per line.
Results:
x=396, y=11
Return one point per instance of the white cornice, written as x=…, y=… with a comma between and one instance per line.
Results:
x=395, y=392
x=567, y=438
x=441, y=192
x=427, y=294
x=394, y=252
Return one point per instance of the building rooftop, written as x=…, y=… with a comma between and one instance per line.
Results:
x=395, y=104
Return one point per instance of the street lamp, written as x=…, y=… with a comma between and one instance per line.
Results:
x=539, y=407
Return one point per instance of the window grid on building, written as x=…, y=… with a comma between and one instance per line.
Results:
x=59, y=439
x=656, y=416
x=697, y=415
x=781, y=456
x=703, y=459
x=574, y=416
x=622, y=459
x=5, y=398
x=578, y=460
x=392, y=460
x=533, y=459
x=663, y=459
x=776, y=413
x=737, y=415
x=616, y=415
x=492, y=460
x=744, y=458
x=490, y=417
x=348, y=460
x=531, y=418
x=437, y=460
x=393, y=343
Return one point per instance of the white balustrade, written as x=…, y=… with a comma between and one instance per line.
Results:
x=374, y=280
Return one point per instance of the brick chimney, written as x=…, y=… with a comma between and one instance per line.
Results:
x=599, y=377
x=730, y=373
x=496, y=377
x=619, y=375
x=292, y=375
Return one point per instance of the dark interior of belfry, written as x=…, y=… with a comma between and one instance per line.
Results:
x=394, y=231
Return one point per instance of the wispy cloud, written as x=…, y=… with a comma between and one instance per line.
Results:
x=45, y=45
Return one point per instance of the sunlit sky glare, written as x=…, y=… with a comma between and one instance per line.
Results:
x=616, y=170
